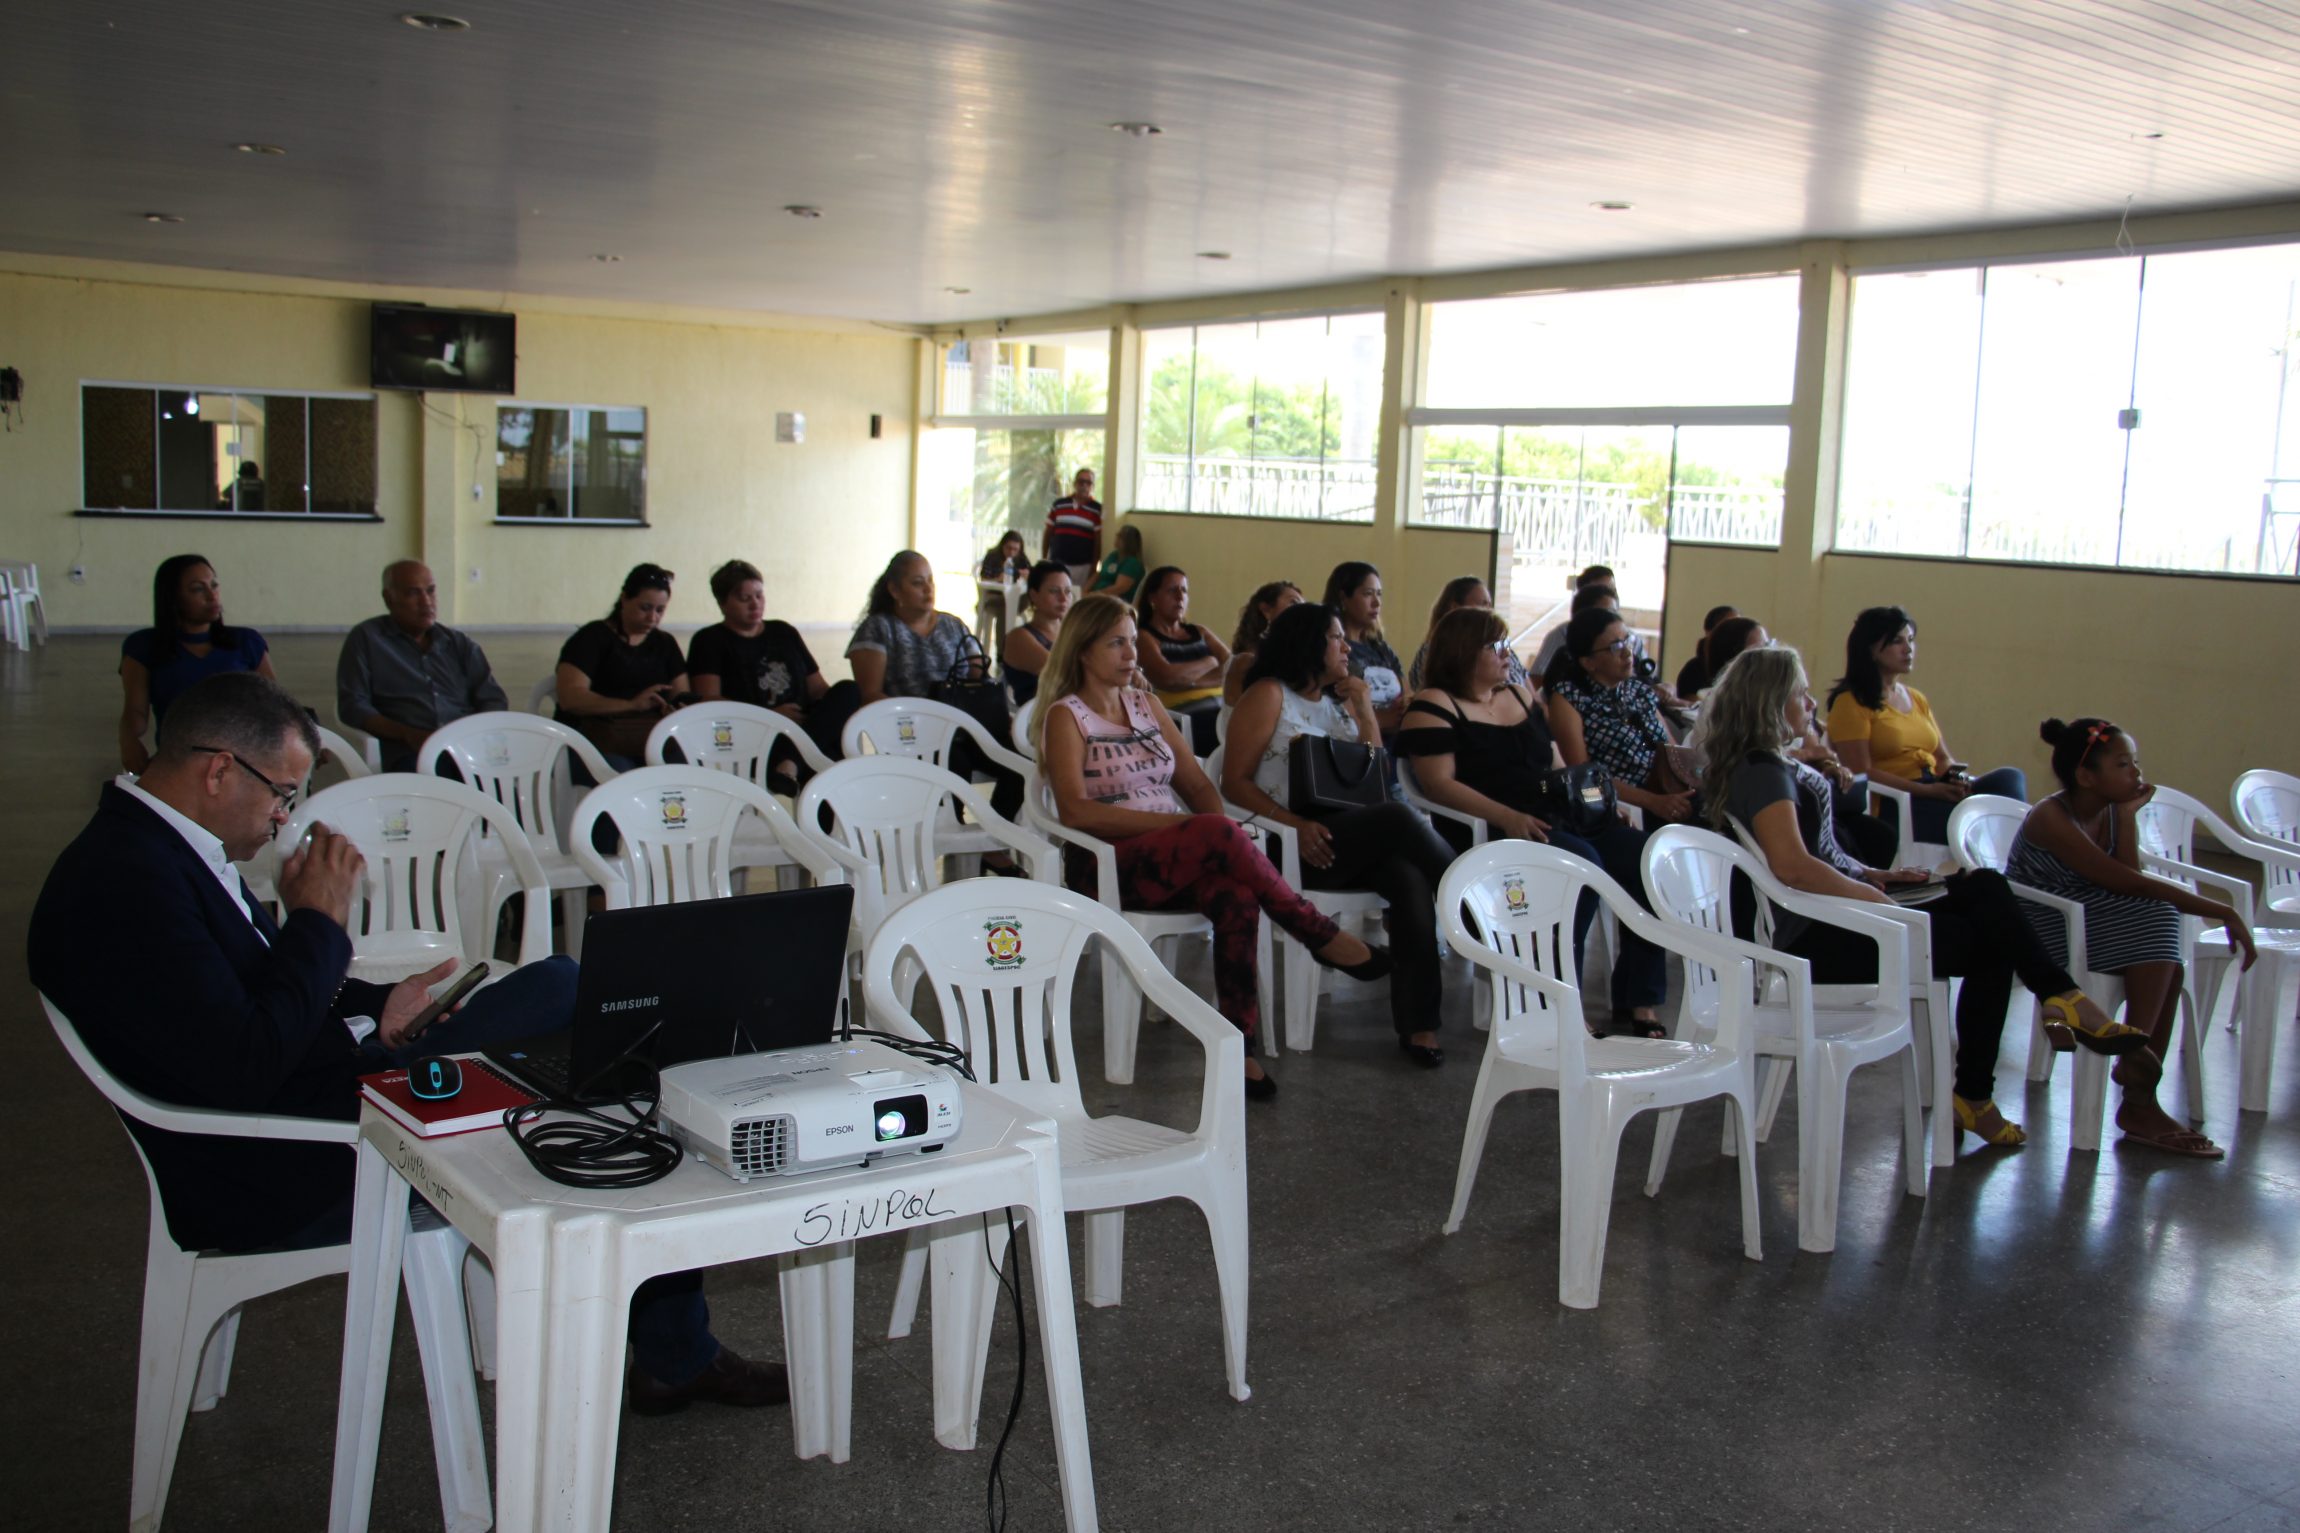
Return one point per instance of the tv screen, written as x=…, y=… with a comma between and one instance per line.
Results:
x=449, y=349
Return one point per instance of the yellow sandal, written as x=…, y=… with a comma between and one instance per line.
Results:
x=1985, y=1123
x=2064, y=1029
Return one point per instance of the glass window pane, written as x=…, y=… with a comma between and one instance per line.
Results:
x=2048, y=455
x=1169, y=362
x=343, y=455
x=987, y=482
x=189, y=453
x=119, y=449
x=607, y=464
x=1566, y=499
x=1028, y=375
x=526, y=443
x=1703, y=343
x=2218, y=425
x=1728, y=486
x=1905, y=477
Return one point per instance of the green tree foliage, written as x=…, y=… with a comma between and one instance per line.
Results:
x=1237, y=417
x=1518, y=453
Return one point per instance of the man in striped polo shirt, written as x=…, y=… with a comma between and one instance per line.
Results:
x=1074, y=530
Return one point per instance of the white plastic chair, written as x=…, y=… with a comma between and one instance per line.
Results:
x=1688, y=873
x=1934, y=1031
x=1522, y=896
x=1479, y=830
x=1913, y=853
x=739, y=739
x=526, y=765
x=997, y=607
x=423, y=895
x=2167, y=825
x=1122, y=1001
x=925, y=730
x=1013, y=1020
x=544, y=695
x=2267, y=808
x=23, y=613
x=262, y=870
x=192, y=1303
x=680, y=827
x=1023, y=713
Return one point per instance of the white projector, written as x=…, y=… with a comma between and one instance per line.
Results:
x=809, y=1109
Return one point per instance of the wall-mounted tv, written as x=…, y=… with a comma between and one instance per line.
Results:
x=469, y=350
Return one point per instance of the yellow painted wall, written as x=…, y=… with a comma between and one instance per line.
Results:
x=2198, y=669
x=819, y=518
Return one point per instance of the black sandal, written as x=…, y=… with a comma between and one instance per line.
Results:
x=1637, y=1027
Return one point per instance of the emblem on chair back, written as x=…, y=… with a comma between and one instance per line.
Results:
x=1005, y=942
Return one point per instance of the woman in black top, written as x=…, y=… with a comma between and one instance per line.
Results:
x=1354, y=589
x=1022, y=658
x=748, y=658
x=1480, y=746
x=619, y=674
x=1182, y=661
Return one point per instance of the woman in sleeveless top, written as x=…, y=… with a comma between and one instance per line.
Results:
x=1388, y=847
x=1182, y=661
x=1023, y=656
x=1120, y=770
x=2083, y=844
x=186, y=644
x=1478, y=745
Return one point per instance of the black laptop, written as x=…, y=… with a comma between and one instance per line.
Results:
x=664, y=984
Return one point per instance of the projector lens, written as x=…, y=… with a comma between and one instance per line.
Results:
x=901, y=1118
x=890, y=1125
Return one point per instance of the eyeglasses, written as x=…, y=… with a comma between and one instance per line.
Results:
x=1617, y=647
x=1500, y=647
x=286, y=796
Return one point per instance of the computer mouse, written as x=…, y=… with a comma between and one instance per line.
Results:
x=434, y=1077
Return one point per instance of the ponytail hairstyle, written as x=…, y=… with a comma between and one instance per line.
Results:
x=1253, y=622
x=2075, y=743
x=1728, y=638
x=643, y=577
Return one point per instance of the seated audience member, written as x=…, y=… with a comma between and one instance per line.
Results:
x=1463, y=591
x=1354, y=593
x=1587, y=599
x=1876, y=841
x=1073, y=536
x=1254, y=619
x=186, y=644
x=904, y=647
x=2082, y=844
x=1600, y=711
x=238, y=1014
x=1761, y=704
x=747, y=657
x=402, y=675
x=1182, y=660
x=1007, y=561
x=1301, y=686
x=1881, y=725
x=1121, y=571
x=1479, y=744
x=1022, y=659
x=1120, y=770
x=619, y=674
x=1697, y=674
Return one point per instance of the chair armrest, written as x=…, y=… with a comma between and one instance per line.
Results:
x=2239, y=893
x=1036, y=850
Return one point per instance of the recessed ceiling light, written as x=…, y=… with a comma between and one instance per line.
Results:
x=2152, y=136
x=960, y=291
x=425, y=22
x=801, y=210
x=605, y=259
x=259, y=148
x=1610, y=206
x=1213, y=255
x=1137, y=129
x=163, y=218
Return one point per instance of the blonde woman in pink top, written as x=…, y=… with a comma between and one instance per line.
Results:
x=1121, y=770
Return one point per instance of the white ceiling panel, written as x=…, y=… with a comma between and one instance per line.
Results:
x=967, y=144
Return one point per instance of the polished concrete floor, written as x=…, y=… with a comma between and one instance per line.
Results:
x=2049, y=1341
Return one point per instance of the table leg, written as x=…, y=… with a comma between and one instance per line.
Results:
x=370, y=1308
x=1058, y=1338
x=818, y=1289
x=521, y=1361
x=587, y=1305
x=961, y=1254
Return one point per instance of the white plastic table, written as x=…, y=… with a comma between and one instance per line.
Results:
x=566, y=1262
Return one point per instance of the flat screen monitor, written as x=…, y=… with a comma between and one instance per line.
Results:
x=468, y=350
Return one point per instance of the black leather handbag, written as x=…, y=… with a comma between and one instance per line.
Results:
x=1579, y=799
x=1326, y=776
x=972, y=692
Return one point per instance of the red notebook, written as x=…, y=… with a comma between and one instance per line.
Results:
x=480, y=1104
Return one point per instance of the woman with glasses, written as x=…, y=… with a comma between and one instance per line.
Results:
x=1881, y=725
x=1600, y=710
x=186, y=644
x=1479, y=745
x=1120, y=770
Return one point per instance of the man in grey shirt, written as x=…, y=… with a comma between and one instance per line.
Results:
x=404, y=674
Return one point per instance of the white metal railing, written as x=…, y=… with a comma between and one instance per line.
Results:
x=1310, y=489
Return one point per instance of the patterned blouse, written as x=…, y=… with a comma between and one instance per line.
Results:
x=1621, y=725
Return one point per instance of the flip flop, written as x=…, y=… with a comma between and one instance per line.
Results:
x=2177, y=1141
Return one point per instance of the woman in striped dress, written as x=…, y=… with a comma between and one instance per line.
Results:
x=2083, y=844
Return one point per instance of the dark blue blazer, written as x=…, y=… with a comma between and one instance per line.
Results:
x=177, y=995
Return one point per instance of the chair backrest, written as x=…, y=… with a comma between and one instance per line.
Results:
x=354, y=761
x=1520, y=899
x=2267, y=808
x=1001, y=957
x=884, y=815
x=520, y=761
x=731, y=737
x=422, y=890
x=1688, y=874
x=1982, y=829
x=1023, y=714
x=678, y=826
x=922, y=729
x=544, y=693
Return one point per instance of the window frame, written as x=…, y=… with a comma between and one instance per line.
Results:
x=647, y=442
x=216, y=513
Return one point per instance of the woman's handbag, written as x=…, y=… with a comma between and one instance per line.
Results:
x=975, y=694
x=1326, y=776
x=1580, y=800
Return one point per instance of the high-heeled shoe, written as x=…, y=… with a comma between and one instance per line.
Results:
x=1376, y=965
x=2065, y=1028
x=1428, y=1055
x=1985, y=1123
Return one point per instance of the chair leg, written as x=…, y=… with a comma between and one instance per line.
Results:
x=1665, y=1141
x=1302, y=987
x=215, y=1376
x=168, y=1361
x=2040, y=1054
x=573, y=907
x=2264, y=1001
x=1939, y=1082
x=433, y=1271
x=1776, y=1069
x=1820, y=1151
x=1913, y=1125
x=1121, y=1020
x=1741, y=1110
x=2192, y=1050
x=1105, y=1257
x=1225, y=1208
x=1266, y=988
x=905, y=1313
x=1481, y=1105
x=2087, y=1101
x=1589, y=1145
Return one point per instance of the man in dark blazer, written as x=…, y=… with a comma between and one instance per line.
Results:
x=184, y=987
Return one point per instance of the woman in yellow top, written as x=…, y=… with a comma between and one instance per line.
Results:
x=1881, y=725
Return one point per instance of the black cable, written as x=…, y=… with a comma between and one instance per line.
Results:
x=600, y=1152
x=1010, y=1279
x=933, y=1051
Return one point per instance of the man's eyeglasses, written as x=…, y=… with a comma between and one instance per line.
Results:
x=285, y=795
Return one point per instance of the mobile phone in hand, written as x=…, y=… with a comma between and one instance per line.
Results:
x=444, y=1004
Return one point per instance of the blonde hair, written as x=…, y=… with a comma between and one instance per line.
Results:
x=1747, y=711
x=1088, y=624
